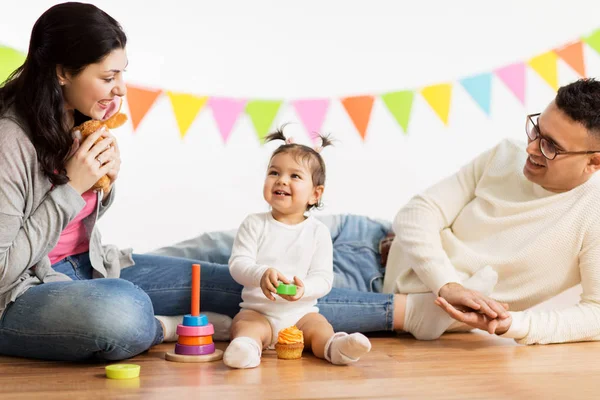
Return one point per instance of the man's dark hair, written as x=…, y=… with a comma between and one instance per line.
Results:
x=580, y=101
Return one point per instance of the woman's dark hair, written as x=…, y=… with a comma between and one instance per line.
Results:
x=580, y=101
x=72, y=35
x=304, y=154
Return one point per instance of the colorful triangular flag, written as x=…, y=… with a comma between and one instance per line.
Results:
x=545, y=66
x=226, y=112
x=359, y=109
x=593, y=40
x=140, y=100
x=438, y=97
x=312, y=113
x=480, y=89
x=400, y=105
x=513, y=76
x=262, y=114
x=572, y=54
x=10, y=60
x=186, y=107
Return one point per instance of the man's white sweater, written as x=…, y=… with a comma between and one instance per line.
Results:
x=540, y=243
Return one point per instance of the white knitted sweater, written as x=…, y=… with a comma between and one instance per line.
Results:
x=540, y=243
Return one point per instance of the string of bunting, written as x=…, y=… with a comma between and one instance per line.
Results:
x=312, y=112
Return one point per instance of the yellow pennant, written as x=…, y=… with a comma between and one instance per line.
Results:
x=438, y=97
x=546, y=67
x=186, y=107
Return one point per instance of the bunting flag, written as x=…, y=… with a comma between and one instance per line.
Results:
x=140, y=100
x=312, y=113
x=593, y=40
x=10, y=60
x=438, y=97
x=513, y=77
x=545, y=66
x=359, y=110
x=226, y=112
x=262, y=113
x=572, y=54
x=480, y=89
x=186, y=107
x=400, y=105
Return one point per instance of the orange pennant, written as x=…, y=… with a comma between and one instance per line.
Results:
x=140, y=100
x=359, y=109
x=572, y=54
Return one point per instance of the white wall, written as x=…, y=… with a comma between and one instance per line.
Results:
x=170, y=189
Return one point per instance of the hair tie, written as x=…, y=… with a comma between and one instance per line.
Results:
x=318, y=149
x=289, y=140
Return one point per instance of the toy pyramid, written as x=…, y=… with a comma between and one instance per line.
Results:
x=195, y=343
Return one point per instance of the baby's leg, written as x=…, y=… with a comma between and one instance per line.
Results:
x=250, y=332
x=317, y=331
x=337, y=348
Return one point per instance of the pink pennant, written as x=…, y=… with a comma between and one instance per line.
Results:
x=226, y=112
x=514, y=77
x=312, y=112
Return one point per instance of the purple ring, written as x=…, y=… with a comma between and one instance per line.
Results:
x=194, y=350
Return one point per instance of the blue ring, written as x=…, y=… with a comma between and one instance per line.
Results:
x=192, y=320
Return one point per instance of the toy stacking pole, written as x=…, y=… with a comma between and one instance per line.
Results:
x=196, y=290
x=195, y=342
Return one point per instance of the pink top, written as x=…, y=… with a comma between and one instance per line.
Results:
x=74, y=239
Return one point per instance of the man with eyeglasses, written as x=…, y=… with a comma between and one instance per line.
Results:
x=513, y=228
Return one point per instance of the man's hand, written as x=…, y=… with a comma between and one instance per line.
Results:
x=498, y=326
x=465, y=299
x=299, y=291
x=270, y=281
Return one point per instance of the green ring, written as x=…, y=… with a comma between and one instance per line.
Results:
x=290, y=289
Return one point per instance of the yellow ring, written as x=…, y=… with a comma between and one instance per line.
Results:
x=122, y=371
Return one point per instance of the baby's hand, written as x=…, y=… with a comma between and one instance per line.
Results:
x=270, y=281
x=299, y=291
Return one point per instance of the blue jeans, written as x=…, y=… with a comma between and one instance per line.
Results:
x=113, y=319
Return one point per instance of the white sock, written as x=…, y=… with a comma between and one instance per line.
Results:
x=222, y=324
x=242, y=352
x=342, y=349
x=426, y=321
x=170, y=326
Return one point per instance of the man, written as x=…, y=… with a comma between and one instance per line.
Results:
x=516, y=226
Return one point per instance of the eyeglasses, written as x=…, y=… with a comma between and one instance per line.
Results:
x=547, y=146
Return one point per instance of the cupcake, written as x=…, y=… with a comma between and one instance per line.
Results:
x=290, y=343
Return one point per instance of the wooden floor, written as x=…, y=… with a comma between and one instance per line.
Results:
x=458, y=366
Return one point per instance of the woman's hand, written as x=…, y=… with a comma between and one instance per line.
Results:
x=112, y=154
x=270, y=281
x=83, y=167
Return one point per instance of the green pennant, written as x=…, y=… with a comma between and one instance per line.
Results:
x=400, y=105
x=262, y=113
x=593, y=40
x=10, y=59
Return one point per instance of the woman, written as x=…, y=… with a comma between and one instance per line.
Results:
x=64, y=296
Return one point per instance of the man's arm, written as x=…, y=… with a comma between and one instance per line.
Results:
x=580, y=322
x=418, y=225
